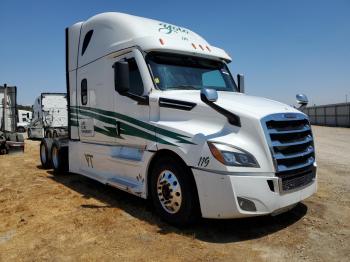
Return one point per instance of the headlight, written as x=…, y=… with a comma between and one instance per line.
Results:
x=232, y=156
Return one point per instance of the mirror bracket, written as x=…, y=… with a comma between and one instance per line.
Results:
x=209, y=96
x=141, y=100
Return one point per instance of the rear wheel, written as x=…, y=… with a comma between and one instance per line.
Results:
x=45, y=153
x=173, y=194
x=59, y=157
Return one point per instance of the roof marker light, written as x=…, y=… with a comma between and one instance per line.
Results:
x=208, y=48
x=161, y=41
x=201, y=47
x=194, y=46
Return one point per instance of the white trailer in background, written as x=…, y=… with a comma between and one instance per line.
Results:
x=24, y=119
x=50, y=117
x=10, y=141
x=155, y=111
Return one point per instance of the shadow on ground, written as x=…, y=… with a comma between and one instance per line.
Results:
x=209, y=230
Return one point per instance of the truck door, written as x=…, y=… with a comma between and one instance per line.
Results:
x=133, y=131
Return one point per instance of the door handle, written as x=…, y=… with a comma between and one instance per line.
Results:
x=118, y=128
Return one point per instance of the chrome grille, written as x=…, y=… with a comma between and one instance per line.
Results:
x=292, y=147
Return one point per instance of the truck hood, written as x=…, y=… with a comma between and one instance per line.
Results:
x=203, y=123
x=238, y=103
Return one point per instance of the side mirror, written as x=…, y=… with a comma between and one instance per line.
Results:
x=28, y=115
x=302, y=100
x=209, y=95
x=240, y=80
x=121, y=77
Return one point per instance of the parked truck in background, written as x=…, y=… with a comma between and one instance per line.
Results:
x=24, y=119
x=154, y=110
x=10, y=141
x=50, y=117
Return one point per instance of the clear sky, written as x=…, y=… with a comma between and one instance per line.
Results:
x=282, y=47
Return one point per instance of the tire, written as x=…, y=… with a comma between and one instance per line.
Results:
x=21, y=129
x=171, y=180
x=3, y=148
x=59, y=158
x=54, y=135
x=45, y=153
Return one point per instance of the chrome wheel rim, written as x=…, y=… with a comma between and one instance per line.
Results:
x=55, y=156
x=169, y=192
x=43, y=154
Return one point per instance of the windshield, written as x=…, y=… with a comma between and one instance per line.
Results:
x=173, y=71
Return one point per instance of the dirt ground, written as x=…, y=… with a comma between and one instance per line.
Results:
x=69, y=217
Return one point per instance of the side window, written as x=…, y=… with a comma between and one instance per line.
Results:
x=136, y=85
x=213, y=78
x=86, y=42
x=83, y=91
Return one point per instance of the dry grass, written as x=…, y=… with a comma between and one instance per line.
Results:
x=69, y=217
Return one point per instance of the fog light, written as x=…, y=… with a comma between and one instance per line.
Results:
x=246, y=204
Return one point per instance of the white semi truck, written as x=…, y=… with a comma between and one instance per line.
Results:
x=24, y=119
x=50, y=116
x=155, y=111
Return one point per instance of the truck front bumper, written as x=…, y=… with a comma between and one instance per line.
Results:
x=244, y=195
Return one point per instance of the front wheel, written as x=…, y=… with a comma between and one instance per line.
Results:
x=173, y=192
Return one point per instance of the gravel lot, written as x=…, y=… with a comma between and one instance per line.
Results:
x=69, y=217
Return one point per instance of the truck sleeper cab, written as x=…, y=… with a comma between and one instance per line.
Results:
x=155, y=111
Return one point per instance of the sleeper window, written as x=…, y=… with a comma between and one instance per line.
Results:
x=86, y=42
x=84, y=97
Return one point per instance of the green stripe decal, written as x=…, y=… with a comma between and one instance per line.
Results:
x=108, y=117
x=124, y=127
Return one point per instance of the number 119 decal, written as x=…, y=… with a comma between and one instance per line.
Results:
x=203, y=161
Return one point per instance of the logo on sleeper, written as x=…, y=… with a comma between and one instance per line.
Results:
x=83, y=125
x=87, y=127
x=168, y=29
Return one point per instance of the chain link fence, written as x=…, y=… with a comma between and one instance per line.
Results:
x=329, y=115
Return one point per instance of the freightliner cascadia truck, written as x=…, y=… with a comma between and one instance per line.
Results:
x=50, y=117
x=155, y=111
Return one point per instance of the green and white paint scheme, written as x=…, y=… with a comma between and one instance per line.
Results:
x=114, y=138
